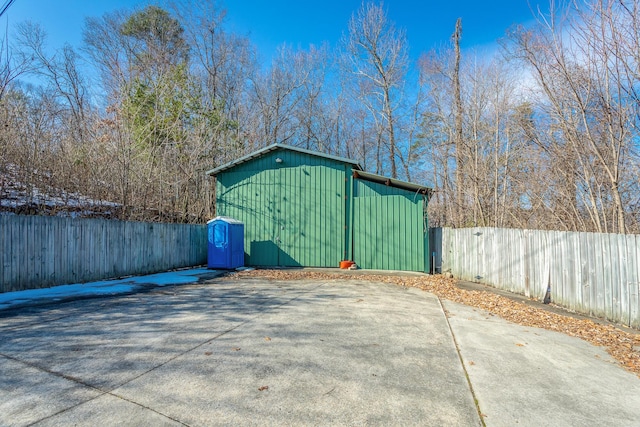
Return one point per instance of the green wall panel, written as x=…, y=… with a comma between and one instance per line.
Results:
x=389, y=228
x=372, y=189
x=294, y=211
x=388, y=233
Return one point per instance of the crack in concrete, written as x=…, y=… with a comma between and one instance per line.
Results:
x=464, y=369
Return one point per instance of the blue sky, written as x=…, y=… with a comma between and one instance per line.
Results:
x=269, y=23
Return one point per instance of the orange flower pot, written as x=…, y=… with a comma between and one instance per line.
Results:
x=346, y=264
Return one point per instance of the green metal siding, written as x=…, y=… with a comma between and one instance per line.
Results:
x=389, y=228
x=374, y=189
x=309, y=211
x=294, y=211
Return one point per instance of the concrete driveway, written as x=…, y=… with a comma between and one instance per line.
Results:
x=255, y=352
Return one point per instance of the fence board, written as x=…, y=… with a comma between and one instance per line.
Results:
x=591, y=273
x=618, y=264
x=606, y=258
x=555, y=264
x=37, y=252
x=632, y=278
x=583, y=271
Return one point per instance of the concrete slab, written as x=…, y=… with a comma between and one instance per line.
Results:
x=262, y=352
x=29, y=394
x=253, y=353
x=531, y=377
x=338, y=354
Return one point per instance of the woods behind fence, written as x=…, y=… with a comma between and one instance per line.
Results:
x=41, y=251
x=592, y=273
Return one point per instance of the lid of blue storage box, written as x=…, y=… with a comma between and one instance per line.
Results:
x=226, y=219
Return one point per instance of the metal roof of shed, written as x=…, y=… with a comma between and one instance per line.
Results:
x=357, y=169
x=274, y=147
x=392, y=182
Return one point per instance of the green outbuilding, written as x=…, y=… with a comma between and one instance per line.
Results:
x=302, y=208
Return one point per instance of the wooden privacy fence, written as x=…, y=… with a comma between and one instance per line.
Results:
x=590, y=273
x=43, y=251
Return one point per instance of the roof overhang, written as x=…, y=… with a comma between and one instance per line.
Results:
x=275, y=147
x=392, y=182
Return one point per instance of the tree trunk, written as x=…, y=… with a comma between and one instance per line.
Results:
x=458, y=125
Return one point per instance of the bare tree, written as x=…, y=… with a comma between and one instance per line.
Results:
x=12, y=66
x=61, y=71
x=223, y=65
x=581, y=70
x=376, y=53
x=458, y=135
x=472, y=133
x=277, y=93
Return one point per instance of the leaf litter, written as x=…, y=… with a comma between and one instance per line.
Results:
x=623, y=346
